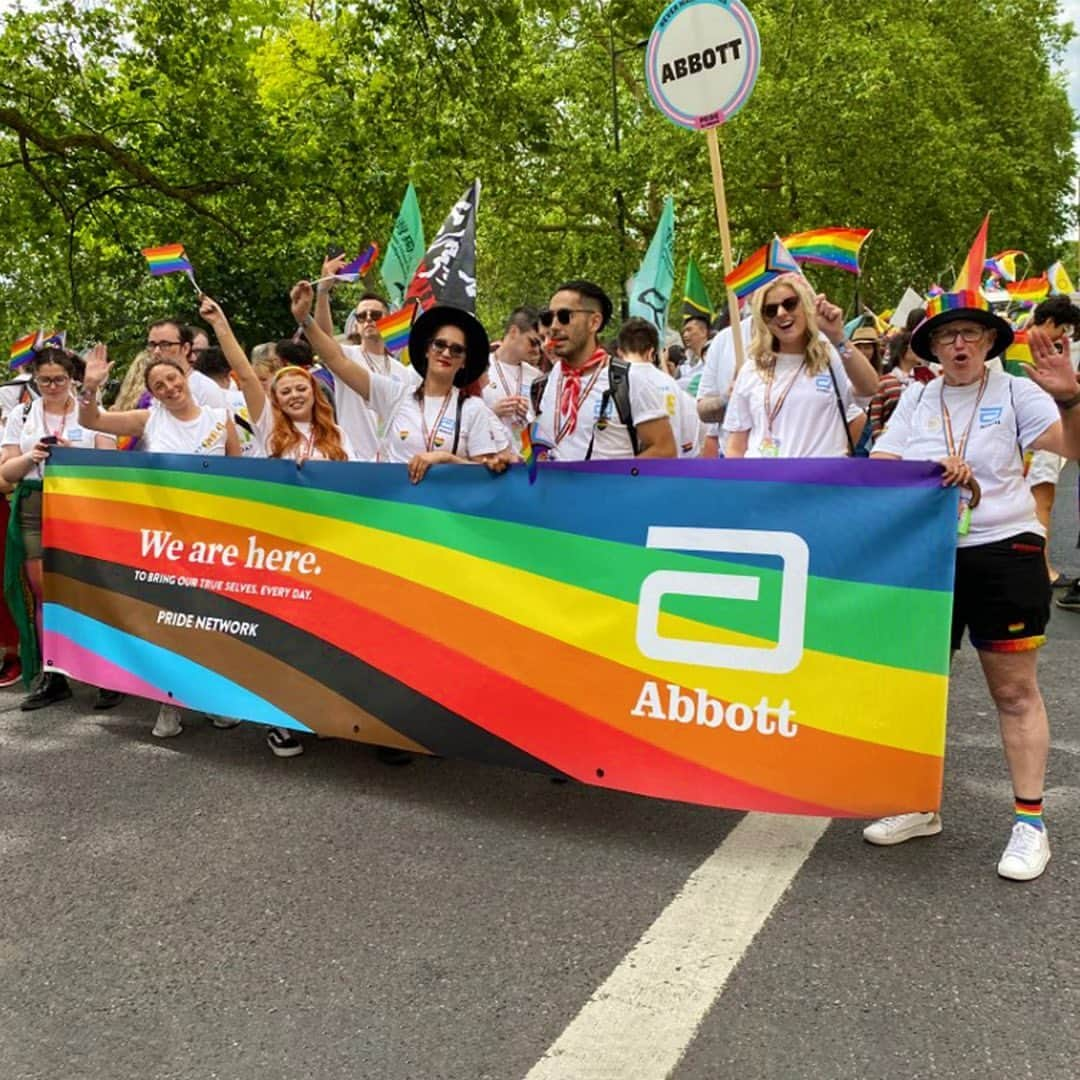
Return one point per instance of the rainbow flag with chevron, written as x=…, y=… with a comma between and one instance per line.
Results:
x=706, y=643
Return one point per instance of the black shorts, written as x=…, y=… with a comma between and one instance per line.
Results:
x=1002, y=595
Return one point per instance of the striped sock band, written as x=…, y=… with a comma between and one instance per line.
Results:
x=1030, y=812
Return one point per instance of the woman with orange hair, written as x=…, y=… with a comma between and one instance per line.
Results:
x=299, y=423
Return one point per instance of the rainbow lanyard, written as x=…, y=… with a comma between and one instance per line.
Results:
x=946, y=421
x=770, y=413
x=502, y=378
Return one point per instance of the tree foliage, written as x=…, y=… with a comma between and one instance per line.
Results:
x=258, y=132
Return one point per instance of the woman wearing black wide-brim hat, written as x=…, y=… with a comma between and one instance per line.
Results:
x=435, y=423
x=979, y=424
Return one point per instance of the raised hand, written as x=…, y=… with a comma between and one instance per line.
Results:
x=301, y=296
x=1053, y=369
x=830, y=318
x=332, y=267
x=211, y=311
x=98, y=366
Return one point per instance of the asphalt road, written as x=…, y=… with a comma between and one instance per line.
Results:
x=197, y=908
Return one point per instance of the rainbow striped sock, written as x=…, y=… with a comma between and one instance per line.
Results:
x=1030, y=812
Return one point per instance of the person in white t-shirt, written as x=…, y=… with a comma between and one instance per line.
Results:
x=511, y=374
x=638, y=342
x=365, y=346
x=978, y=423
x=435, y=423
x=211, y=362
x=695, y=338
x=168, y=339
x=793, y=397
x=32, y=429
x=579, y=419
x=294, y=419
x=175, y=423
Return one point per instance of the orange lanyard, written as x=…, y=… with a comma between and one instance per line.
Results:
x=502, y=378
x=429, y=437
x=946, y=421
x=770, y=413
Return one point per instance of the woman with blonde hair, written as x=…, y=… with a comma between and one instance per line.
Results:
x=795, y=395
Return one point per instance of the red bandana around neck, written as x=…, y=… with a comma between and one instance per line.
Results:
x=570, y=391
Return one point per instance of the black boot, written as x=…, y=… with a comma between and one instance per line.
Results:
x=107, y=699
x=50, y=689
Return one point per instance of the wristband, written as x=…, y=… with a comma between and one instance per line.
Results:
x=1068, y=403
x=308, y=319
x=87, y=397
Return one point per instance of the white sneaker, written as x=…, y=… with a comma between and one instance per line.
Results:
x=1026, y=855
x=168, y=722
x=901, y=827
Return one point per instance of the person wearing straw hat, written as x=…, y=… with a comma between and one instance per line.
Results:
x=978, y=423
x=435, y=422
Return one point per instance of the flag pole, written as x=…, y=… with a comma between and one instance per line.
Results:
x=725, y=242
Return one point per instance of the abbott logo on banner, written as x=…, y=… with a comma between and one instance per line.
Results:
x=781, y=658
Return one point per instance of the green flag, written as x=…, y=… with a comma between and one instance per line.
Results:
x=405, y=249
x=695, y=299
x=650, y=296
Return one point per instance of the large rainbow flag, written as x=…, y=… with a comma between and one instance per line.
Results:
x=723, y=639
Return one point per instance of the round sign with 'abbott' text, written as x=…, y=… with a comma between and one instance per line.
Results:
x=702, y=61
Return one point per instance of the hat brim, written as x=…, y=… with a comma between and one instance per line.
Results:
x=920, y=336
x=476, y=341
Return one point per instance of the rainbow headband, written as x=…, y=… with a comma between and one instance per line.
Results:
x=970, y=299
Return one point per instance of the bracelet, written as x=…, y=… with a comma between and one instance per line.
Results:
x=87, y=397
x=308, y=319
x=1068, y=403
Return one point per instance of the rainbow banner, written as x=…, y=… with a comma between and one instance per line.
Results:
x=723, y=639
x=838, y=247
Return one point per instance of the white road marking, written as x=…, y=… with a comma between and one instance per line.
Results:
x=640, y=1022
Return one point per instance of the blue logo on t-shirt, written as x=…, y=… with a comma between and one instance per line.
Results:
x=823, y=382
x=989, y=415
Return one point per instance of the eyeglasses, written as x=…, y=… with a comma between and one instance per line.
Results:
x=369, y=316
x=154, y=346
x=968, y=334
x=451, y=347
x=52, y=380
x=789, y=304
x=563, y=314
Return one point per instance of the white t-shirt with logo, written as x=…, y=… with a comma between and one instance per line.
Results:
x=511, y=380
x=611, y=440
x=205, y=435
x=354, y=415
x=264, y=428
x=1012, y=414
x=402, y=424
x=808, y=422
x=27, y=426
x=682, y=412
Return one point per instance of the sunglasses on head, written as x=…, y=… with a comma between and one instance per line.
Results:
x=563, y=314
x=789, y=304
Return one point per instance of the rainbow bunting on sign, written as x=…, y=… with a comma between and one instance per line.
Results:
x=838, y=247
x=373, y=598
x=394, y=328
x=168, y=259
x=766, y=263
x=1030, y=289
x=361, y=264
x=22, y=351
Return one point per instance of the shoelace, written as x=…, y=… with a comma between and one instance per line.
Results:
x=1025, y=840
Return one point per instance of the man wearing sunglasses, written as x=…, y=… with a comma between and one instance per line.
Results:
x=364, y=346
x=593, y=407
x=512, y=373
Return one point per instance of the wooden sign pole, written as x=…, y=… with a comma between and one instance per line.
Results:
x=725, y=242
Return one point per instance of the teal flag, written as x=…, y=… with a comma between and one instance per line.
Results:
x=650, y=296
x=405, y=249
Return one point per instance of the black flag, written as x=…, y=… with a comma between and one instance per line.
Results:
x=447, y=272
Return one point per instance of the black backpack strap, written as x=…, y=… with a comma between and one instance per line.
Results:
x=536, y=392
x=457, y=422
x=619, y=384
x=843, y=411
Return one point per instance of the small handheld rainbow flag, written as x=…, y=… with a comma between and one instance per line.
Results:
x=168, y=259
x=1017, y=359
x=528, y=455
x=23, y=350
x=56, y=340
x=766, y=263
x=971, y=272
x=394, y=328
x=835, y=246
x=1033, y=289
x=1003, y=264
x=361, y=264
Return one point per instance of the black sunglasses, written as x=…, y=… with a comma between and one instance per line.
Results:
x=452, y=347
x=563, y=314
x=770, y=311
